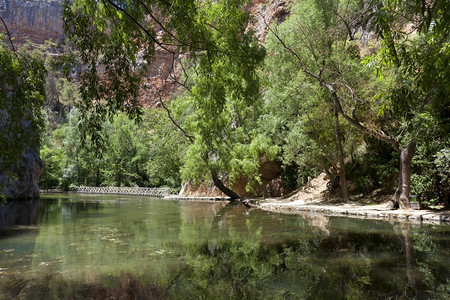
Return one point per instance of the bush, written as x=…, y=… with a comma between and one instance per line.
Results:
x=431, y=174
x=376, y=168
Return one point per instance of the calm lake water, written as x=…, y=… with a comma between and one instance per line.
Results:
x=114, y=247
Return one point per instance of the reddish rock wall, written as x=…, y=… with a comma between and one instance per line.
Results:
x=35, y=20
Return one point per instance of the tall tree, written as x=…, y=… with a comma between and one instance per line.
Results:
x=398, y=105
x=123, y=36
x=287, y=83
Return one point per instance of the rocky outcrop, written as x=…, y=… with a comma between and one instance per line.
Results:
x=35, y=20
x=271, y=178
x=267, y=13
x=21, y=181
x=203, y=189
x=40, y=20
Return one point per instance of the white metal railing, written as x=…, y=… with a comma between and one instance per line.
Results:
x=135, y=191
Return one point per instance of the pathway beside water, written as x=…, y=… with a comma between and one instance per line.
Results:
x=305, y=201
x=355, y=211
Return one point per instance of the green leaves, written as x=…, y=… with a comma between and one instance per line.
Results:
x=22, y=95
x=222, y=85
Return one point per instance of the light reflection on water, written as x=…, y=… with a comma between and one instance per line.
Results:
x=84, y=246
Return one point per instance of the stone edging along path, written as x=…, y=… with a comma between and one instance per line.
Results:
x=375, y=212
x=366, y=212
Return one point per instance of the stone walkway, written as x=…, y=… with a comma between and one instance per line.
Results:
x=356, y=211
x=311, y=200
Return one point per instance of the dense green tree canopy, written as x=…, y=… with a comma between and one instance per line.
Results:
x=340, y=77
x=393, y=107
x=220, y=79
x=22, y=94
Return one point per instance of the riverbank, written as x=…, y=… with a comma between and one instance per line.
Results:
x=355, y=211
x=313, y=199
x=324, y=207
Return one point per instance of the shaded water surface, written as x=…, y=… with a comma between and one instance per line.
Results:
x=112, y=247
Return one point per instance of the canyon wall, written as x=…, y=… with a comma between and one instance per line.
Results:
x=40, y=20
x=35, y=20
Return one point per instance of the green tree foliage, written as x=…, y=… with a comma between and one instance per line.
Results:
x=166, y=149
x=81, y=166
x=303, y=112
x=133, y=155
x=298, y=115
x=375, y=168
x=126, y=155
x=22, y=95
x=319, y=36
x=53, y=155
x=416, y=44
x=222, y=89
x=226, y=138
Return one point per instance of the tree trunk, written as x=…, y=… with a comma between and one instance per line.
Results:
x=342, y=173
x=97, y=177
x=219, y=184
x=78, y=172
x=400, y=199
x=119, y=179
x=406, y=156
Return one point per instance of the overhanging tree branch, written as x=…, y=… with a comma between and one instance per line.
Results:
x=9, y=36
x=336, y=101
x=137, y=23
x=190, y=137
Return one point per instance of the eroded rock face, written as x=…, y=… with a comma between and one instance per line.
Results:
x=35, y=20
x=267, y=13
x=23, y=178
x=271, y=178
x=204, y=189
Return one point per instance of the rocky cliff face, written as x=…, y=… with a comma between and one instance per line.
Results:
x=267, y=13
x=40, y=20
x=22, y=180
x=19, y=176
x=35, y=20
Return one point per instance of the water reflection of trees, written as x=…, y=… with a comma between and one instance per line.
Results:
x=226, y=253
x=323, y=263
